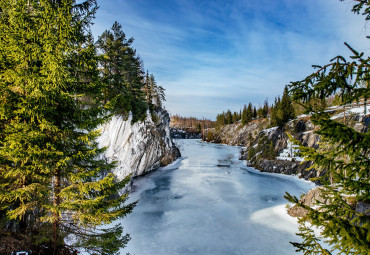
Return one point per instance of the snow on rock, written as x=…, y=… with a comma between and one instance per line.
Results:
x=290, y=153
x=269, y=130
x=140, y=147
x=357, y=110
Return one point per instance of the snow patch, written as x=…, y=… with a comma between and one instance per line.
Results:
x=269, y=130
x=290, y=153
x=276, y=217
x=354, y=110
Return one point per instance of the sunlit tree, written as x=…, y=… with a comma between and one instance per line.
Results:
x=55, y=192
x=342, y=224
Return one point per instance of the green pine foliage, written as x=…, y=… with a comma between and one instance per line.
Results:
x=247, y=114
x=265, y=149
x=154, y=94
x=244, y=115
x=345, y=156
x=121, y=74
x=282, y=111
x=53, y=185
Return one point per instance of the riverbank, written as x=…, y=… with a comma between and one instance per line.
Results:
x=269, y=149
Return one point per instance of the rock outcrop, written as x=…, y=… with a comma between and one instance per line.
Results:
x=310, y=199
x=140, y=147
x=263, y=145
x=315, y=196
x=269, y=149
x=236, y=134
x=287, y=167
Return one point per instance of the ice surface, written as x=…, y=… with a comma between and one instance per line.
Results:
x=198, y=206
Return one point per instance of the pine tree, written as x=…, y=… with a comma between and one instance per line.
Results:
x=249, y=114
x=286, y=107
x=147, y=88
x=53, y=185
x=343, y=227
x=275, y=119
x=229, y=117
x=265, y=110
x=156, y=92
x=121, y=74
x=244, y=115
x=235, y=117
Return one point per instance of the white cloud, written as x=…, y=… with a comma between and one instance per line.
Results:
x=211, y=56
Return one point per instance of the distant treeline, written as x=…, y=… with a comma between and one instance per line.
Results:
x=281, y=111
x=178, y=121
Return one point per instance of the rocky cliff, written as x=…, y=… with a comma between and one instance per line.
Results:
x=140, y=147
x=269, y=149
x=315, y=197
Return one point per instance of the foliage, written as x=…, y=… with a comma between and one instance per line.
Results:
x=210, y=136
x=247, y=114
x=265, y=149
x=282, y=111
x=53, y=184
x=154, y=94
x=121, y=74
x=344, y=229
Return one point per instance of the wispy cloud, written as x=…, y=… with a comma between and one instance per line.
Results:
x=215, y=55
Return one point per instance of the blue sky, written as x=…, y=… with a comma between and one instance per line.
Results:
x=211, y=56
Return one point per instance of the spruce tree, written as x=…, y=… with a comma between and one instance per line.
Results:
x=249, y=114
x=156, y=92
x=121, y=74
x=53, y=185
x=244, y=115
x=265, y=109
x=286, y=107
x=343, y=226
x=275, y=114
x=229, y=117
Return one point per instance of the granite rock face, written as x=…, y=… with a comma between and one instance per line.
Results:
x=315, y=196
x=288, y=167
x=302, y=130
x=235, y=134
x=310, y=199
x=139, y=147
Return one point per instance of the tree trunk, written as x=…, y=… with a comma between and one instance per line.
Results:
x=56, y=202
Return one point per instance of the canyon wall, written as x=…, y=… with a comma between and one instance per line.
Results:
x=138, y=147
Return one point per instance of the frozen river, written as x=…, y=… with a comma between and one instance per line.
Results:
x=211, y=203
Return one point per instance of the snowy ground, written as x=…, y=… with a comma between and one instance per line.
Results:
x=210, y=203
x=350, y=110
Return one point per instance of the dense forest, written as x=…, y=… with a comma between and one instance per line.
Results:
x=57, y=86
x=279, y=113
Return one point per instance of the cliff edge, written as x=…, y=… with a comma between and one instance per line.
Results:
x=139, y=147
